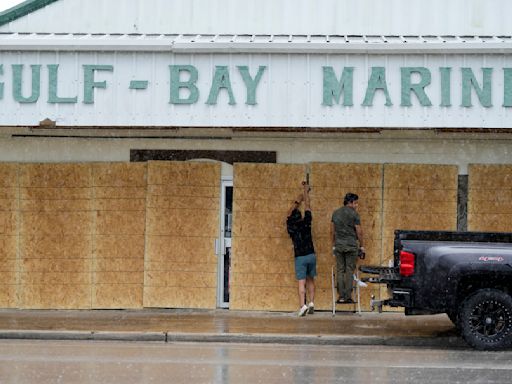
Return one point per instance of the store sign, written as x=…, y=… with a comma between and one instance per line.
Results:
x=255, y=94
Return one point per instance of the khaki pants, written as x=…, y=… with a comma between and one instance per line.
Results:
x=346, y=259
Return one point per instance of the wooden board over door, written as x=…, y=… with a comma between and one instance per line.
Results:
x=262, y=265
x=182, y=224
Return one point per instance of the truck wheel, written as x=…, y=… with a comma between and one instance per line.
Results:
x=486, y=319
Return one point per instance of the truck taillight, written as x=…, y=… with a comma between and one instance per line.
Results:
x=406, y=263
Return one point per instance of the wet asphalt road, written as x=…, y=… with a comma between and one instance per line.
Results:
x=95, y=362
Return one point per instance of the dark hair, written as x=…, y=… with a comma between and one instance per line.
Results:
x=296, y=215
x=349, y=198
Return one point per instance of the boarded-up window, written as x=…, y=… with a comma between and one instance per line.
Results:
x=119, y=191
x=9, y=202
x=330, y=182
x=55, y=236
x=490, y=198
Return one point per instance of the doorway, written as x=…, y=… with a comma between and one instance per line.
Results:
x=226, y=225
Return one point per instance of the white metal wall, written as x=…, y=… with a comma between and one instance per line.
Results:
x=402, y=17
x=289, y=94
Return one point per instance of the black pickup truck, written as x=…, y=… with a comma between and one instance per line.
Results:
x=467, y=275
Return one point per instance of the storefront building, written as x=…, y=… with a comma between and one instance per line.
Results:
x=149, y=150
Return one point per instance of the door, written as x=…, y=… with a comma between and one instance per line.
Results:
x=225, y=242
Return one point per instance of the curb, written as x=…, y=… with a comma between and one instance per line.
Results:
x=169, y=337
x=451, y=341
x=83, y=335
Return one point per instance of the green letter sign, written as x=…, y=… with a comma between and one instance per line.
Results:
x=52, y=90
x=418, y=89
x=333, y=88
x=377, y=81
x=251, y=83
x=220, y=80
x=90, y=84
x=469, y=81
x=176, y=84
x=17, y=74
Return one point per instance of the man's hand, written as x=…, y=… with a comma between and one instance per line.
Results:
x=361, y=253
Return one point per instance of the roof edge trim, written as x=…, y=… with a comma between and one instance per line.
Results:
x=23, y=9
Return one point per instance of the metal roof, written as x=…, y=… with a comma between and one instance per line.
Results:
x=446, y=44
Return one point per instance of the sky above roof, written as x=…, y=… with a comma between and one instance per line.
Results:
x=6, y=4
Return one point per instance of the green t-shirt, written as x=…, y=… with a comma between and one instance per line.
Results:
x=345, y=220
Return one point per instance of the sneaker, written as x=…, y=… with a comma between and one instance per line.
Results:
x=303, y=311
x=345, y=301
x=311, y=308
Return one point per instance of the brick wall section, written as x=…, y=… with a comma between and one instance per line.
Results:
x=182, y=223
x=262, y=268
x=490, y=198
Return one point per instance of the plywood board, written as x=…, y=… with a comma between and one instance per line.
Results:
x=115, y=247
x=55, y=175
x=9, y=295
x=489, y=198
x=56, y=296
x=418, y=197
x=55, y=246
x=330, y=182
x=170, y=297
x=168, y=249
x=9, y=228
x=182, y=223
x=55, y=237
x=263, y=194
x=121, y=296
x=119, y=229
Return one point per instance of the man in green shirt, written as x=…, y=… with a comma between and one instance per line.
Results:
x=347, y=244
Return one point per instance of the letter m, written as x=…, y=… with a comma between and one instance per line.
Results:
x=333, y=88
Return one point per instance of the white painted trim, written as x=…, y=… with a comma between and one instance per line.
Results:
x=301, y=44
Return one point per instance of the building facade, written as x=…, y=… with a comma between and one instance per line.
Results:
x=149, y=150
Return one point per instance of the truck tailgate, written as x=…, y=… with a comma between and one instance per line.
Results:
x=384, y=274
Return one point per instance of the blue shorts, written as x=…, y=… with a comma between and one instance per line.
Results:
x=305, y=266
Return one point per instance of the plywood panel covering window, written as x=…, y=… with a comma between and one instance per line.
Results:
x=182, y=223
x=418, y=197
x=55, y=236
x=262, y=273
x=9, y=203
x=330, y=182
x=490, y=198
x=119, y=191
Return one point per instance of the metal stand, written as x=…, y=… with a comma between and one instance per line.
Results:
x=356, y=287
x=333, y=293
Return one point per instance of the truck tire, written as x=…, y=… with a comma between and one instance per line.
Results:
x=486, y=319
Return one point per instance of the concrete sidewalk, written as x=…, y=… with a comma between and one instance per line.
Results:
x=345, y=328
